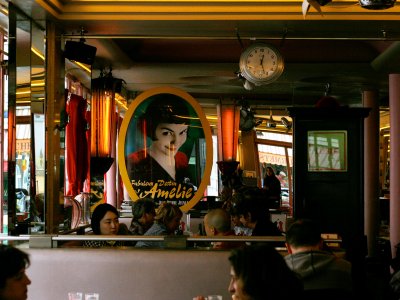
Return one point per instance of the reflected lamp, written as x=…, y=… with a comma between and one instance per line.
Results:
x=228, y=135
x=102, y=118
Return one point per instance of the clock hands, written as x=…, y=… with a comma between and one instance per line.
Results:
x=261, y=63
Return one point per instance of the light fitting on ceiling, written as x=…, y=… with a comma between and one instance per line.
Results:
x=286, y=123
x=316, y=4
x=271, y=122
x=247, y=121
x=248, y=85
x=376, y=4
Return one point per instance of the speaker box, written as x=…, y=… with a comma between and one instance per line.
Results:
x=79, y=51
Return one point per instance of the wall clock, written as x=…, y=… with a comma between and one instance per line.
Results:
x=261, y=63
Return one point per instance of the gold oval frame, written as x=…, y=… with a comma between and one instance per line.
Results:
x=207, y=134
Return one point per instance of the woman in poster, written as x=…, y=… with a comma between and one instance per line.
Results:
x=161, y=170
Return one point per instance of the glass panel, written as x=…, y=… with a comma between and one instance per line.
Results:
x=4, y=126
x=23, y=128
x=19, y=95
x=276, y=154
x=25, y=107
x=37, y=208
x=37, y=123
x=327, y=151
x=37, y=69
x=212, y=188
x=274, y=136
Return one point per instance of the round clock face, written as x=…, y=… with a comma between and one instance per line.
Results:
x=261, y=64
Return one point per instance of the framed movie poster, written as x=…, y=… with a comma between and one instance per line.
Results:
x=165, y=148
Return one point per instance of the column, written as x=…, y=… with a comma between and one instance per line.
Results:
x=371, y=169
x=394, y=104
x=54, y=99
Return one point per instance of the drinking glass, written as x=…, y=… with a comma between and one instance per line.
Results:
x=92, y=296
x=214, y=297
x=75, y=296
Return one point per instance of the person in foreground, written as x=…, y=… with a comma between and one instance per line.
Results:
x=317, y=268
x=217, y=222
x=13, y=280
x=105, y=221
x=166, y=222
x=259, y=272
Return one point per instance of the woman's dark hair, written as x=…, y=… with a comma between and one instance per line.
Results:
x=12, y=260
x=271, y=170
x=99, y=213
x=142, y=206
x=264, y=273
x=165, y=108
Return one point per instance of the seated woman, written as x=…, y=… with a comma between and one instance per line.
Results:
x=166, y=222
x=105, y=222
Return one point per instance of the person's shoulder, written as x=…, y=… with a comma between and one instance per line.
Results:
x=326, y=260
x=268, y=228
x=342, y=263
x=123, y=229
x=156, y=229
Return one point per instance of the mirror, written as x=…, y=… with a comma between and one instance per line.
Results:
x=26, y=126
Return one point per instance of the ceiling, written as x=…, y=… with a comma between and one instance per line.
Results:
x=196, y=46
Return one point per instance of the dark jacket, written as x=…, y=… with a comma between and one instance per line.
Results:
x=321, y=270
x=265, y=227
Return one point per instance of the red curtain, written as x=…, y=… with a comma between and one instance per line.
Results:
x=76, y=158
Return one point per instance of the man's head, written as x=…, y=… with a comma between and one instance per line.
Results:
x=217, y=222
x=303, y=235
x=144, y=211
x=259, y=272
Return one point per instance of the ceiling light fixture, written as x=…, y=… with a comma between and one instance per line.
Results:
x=248, y=85
x=286, y=123
x=247, y=121
x=271, y=122
x=316, y=4
x=83, y=66
x=376, y=4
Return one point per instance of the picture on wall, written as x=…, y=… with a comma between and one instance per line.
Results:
x=161, y=148
x=327, y=151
